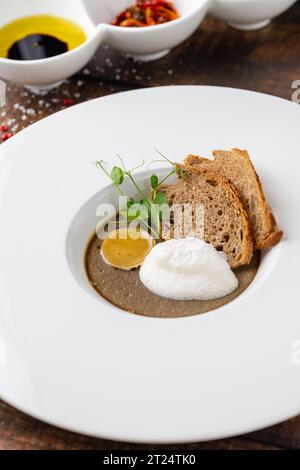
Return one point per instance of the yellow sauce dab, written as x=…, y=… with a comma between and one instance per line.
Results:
x=60, y=28
x=126, y=248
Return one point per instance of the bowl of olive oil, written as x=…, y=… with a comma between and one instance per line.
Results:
x=39, y=37
x=42, y=43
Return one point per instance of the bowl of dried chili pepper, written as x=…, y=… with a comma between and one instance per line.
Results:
x=147, y=29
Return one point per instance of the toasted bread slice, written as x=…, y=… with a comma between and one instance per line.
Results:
x=236, y=165
x=226, y=223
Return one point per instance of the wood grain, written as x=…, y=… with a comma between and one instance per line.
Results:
x=265, y=61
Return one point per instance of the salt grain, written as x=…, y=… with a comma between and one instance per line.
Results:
x=31, y=112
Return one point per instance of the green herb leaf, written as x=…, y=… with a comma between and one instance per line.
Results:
x=117, y=175
x=164, y=209
x=138, y=211
x=181, y=173
x=154, y=181
x=147, y=204
x=161, y=198
x=130, y=202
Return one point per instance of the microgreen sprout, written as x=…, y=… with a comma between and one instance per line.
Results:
x=175, y=168
x=117, y=175
x=114, y=176
x=149, y=209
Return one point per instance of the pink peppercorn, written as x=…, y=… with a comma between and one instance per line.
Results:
x=68, y=102
x=6, y=136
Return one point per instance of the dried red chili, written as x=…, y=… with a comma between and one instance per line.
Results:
x=147, y=13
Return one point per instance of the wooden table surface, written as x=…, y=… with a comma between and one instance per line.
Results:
x=267, y=61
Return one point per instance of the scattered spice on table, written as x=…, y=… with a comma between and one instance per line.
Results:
x=68, y=102
x=6, y=136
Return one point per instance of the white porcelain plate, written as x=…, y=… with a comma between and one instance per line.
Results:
x=73, y=360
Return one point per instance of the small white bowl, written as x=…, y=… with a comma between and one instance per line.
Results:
x=249, y=15
x=94, y=17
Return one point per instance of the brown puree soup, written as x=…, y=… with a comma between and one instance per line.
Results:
x=125, y=290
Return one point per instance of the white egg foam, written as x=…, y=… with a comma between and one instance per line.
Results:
x=187, y=269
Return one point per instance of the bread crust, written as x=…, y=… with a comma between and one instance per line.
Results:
x=271, y=235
